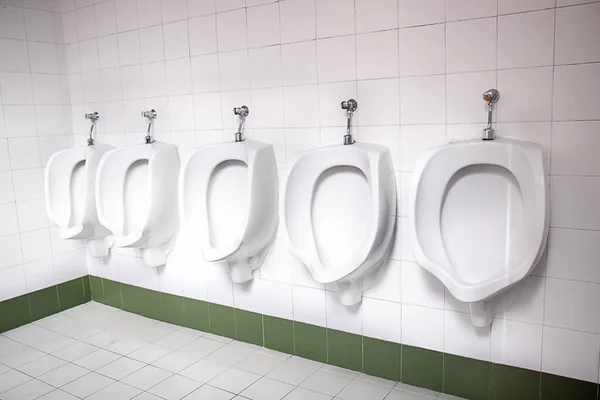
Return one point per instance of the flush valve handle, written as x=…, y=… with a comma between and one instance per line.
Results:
x=491, y=97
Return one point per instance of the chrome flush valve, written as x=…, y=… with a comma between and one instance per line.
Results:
x=242, y=112
x=350, y=106
x=490, y=96
x=93, y=117
x=151, y=116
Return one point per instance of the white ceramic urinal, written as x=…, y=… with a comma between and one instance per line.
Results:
x=338, y=214
x=478, y=217
x=228, y=202
x=70, y=196
x=136, y=196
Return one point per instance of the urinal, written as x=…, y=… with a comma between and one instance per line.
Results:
x=136, y=197
x=478, y=217
x=228, y=197
x=71, y=198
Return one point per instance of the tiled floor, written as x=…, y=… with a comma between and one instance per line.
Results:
x=98, y=352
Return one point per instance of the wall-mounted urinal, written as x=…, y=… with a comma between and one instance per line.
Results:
x=136, y=196
x=478, y=216
x=70, y=193
x=338, y=215
x=228, y=202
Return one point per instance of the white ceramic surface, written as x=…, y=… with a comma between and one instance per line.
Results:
x=71, y=199
x=228, y=197
x=478, y=217
x=339, y=209
x=136, y=196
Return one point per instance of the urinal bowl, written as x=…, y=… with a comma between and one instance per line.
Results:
x=478, y=219
x=136, y=192
x=70, y=196
x=228, y=204
x=339, y=208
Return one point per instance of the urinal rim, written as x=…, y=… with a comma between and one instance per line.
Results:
x=321, y=274
x=472, y=292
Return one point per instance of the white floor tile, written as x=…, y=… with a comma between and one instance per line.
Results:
x=305, y=394
x=4, y=368
x=267, y=389
x=127, y=346
x=97, y=359
x=75, y=351
x=207, y=392
x=175, y=361
x=340, y=370
x=87, y=385
x=55, y=344
x=58, y=395
x=63, y=375
x=359, y=390
x=231, y=354
x=176, y=340
x=294, y=370
x=417, y=390
x=175, y=388
x=326, y=382
x=29, y=334
x=260, y=363
x=22, y=357
x=8, y=346
x=27, y=391
x=234, y=380
x=202, y=347
x=146, y=377
x=146, y=396
x=120, y=368
x=397, y=394
x=42, y=365
x=116, y=391
x=11, y=379
x=150, y=353
x=375, y=379
x=203, y=371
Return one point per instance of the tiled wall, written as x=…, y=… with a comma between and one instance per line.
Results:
x=417, y=69
x=34, y=123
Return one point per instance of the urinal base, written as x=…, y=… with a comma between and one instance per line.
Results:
x=240, y=271
x=481, y=313
x=99, y=247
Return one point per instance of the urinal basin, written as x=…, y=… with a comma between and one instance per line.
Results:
x=70, y=195
x=338, y=217
x=479, y=215
x=228, y=203
x=136, y=192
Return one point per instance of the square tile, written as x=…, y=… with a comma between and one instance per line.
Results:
x=120, y=368
x=87, y=385
x=234, y=380
x=63, y=375
x=209, y=393
x=310, y=341
x=376, y=15
x=514, y=383
x=326, y=382
x=11, y=379
x=570, y=84
x=422, y=367
x=260, y=363
x=75, y=351
x=279, y=334
x=249, y=327
x=377, y=55
x=175, y=361
x=462, y=37
x=221, y=320
x=203, y=371
x=333, y=52
x=381, y=358
x=422, y=50
x=570, y=353
x=97, y=359
x=297, y=21
x=294, y=370
x=466, y=377
x=358, y=389
x=267, y=389
x=175, y=387
x=344, y=349
x=575, y=29
x=555, y=387
x=116, y=391
x=41, y=365
x=30, y=390
x=146, y=377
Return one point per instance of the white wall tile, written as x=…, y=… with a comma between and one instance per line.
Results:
x=16, y=88
x=24, y=153
x=12, y=282
x=263, y=25
x=152, y=44
x=301, y=106
x=571, y=85
x=334, y=18
x=570, y=353
x=572, y=305
x=522, y=302
x=576, y=30
x=10, y=246
x=422, y=100
x=203, y=35
x=176, y=40
x=173, y=10
x=573, y=254
x=519, y=84
x=309, y=305
x=416, y=139
x=515, y=6
x=106, y=19
x=463, y=339
x=388, y=285
x=39, y=274
x=108, y=50
x=46, y=89
x=32, y=215
x=207, y=111
x=265, y=67
x=149, y=13
x=423, y=327
x=299, y=63
x=420, y=12
x=200, y=7
x=376, y=15
x=86, y=23
x=226, y=5
x=422, y=50
x=572, y=148
x=39, y=25
x=379, y=102
x=16, y=56
x=297, y=20
x=234, y=70
x=129, y=48
x=267, y=105
x=231, y=30
x=334, y=53
x=43, y=57
x=10, y=222
x=421, y=288
x=516, y=343
x=377, y=55
x=181, y=113
x=468, y=9
x=36, y=245
x=471, y=45
x=20, y=121
x=127, y=15
x=526, y=40
x=572, y=202
x=205, y=73
x=382, y=320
